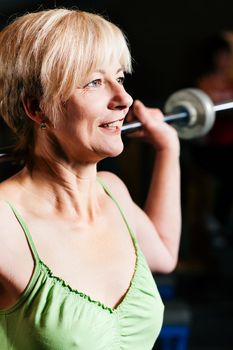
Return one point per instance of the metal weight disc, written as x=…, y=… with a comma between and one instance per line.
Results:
x=201, y=114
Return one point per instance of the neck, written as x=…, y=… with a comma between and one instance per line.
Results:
x=69, y=190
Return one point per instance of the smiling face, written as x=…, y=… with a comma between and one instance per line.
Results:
x=90, y=130
x=43, y=57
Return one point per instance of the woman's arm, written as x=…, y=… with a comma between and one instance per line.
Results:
x=159, y=230
x=160, y=237
x=158, y=224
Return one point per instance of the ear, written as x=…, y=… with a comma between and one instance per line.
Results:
x=32, y=109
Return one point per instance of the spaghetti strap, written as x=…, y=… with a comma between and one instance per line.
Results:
x=26, y=232
x=108, y=191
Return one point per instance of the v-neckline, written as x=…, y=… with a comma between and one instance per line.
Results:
x=40, y=264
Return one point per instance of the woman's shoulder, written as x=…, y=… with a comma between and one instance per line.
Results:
x=4, y=209
x=115, y=184
x=7, y=194
x=5, y=219
x=10, y=189
x=119, y=192
x=5, y=234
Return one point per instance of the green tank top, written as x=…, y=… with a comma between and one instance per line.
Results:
x=51, y=315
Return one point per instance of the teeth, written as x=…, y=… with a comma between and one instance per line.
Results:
x=111, y=125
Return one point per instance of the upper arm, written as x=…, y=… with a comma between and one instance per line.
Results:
x=3, y=234
x=152, y=246
x=8, y=242
x=3, y=254
x=156, y=253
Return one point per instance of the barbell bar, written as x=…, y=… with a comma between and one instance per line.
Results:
x=190, y=111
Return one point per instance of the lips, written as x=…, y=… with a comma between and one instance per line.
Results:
x=112, y=125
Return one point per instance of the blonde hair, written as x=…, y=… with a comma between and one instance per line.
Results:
x=45, y=55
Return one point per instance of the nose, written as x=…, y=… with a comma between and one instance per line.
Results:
x=120, y=99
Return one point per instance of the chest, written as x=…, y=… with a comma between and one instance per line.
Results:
x=98, y=260
x=55, y=317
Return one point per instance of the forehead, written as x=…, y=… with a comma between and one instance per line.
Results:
x=115, y=69
x=106, y=55
x=106, y=69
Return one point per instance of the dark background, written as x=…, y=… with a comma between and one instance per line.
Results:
x=166, y=39
x=165, y=36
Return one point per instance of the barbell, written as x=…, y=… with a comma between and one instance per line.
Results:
x=190, y=111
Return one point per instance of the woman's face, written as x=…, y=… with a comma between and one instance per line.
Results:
x=91, y=128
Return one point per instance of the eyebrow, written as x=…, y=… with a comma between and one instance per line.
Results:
x=103, y=71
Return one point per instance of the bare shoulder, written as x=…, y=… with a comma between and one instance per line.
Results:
x=8, y=252
x=4, y=213
x=8, y=189
x=120, y=192
x=5, y=219
x=7, y=222
x=115, y=183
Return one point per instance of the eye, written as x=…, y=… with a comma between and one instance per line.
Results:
x=94, y=83
x=121, y=80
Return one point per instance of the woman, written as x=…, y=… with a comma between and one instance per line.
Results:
x=72, y=274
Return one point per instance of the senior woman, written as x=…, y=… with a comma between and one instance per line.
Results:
x=76, y=252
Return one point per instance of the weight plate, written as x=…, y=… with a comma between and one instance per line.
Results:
x=200, y=110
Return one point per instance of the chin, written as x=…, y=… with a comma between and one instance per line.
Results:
x=113, y=152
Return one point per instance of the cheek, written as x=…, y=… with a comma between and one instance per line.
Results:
x=73, y=119
x=78, y=127
x=83, y=113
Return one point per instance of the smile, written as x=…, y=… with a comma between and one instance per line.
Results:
x=113, y=125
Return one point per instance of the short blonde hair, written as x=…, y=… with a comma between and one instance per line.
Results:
x=45, y=55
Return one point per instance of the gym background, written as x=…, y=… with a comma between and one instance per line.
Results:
x=167, y=42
